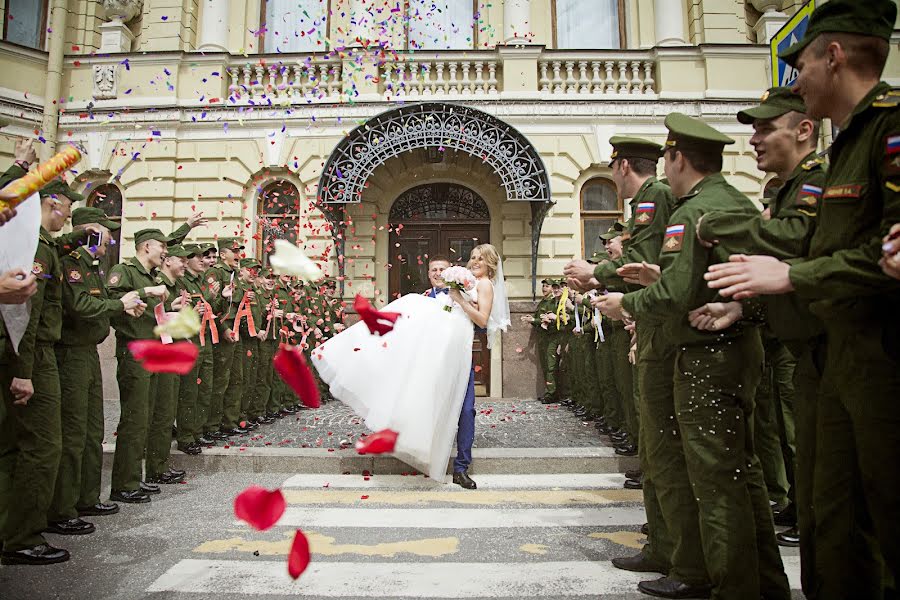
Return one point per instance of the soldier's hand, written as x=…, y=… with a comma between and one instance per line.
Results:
x=24, y=151
x=890, y=261
x=580, y=275
x=228, y=292
x=528, y=320
x=262, y=335
x=97, y=229
x=746, y=276
x=200, y=307
x=139, y=310
x=157, y=291
x=22, y=391
x=131, y=300
x=230, y=335
x=610, y=305
x=17, y=286
x=197, y=220
x=214, y=287
x=7, y=213
x=251, y=295
x=639, y=273
x=704, y=243
x=178, y=303
x=278, y=313
x=715, y=316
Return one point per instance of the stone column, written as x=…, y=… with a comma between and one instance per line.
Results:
x=213, y=26
x=516, y=21
x=668, y=16
x=55, y=50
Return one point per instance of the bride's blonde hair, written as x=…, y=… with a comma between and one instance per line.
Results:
x=491, y=258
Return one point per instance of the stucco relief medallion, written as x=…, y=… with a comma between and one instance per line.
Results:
x=105, y=81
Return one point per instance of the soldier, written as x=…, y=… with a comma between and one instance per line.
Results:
x=856, y=486
x=252, y=414
x=538, y=321
x=717, y=479
x=284, y=298
x=87, y=309
x=228, y=371
x=136, y=386
x=31, y=438
x=268, y=405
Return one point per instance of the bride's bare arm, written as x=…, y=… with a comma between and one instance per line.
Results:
x=478, y=312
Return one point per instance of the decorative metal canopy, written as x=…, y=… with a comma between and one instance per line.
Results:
x=445, y=127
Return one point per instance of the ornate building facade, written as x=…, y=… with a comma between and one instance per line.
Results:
x=378, y=132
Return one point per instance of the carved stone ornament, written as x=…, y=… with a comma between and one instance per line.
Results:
x=765, y=6
x=105, y=81
x=122, y=11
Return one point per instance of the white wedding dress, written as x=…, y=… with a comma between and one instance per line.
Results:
x=412, y=380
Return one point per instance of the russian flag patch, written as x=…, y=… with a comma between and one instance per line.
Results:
x=893, y=144
x=809, y=195
x=644, y=212
x=674, y=238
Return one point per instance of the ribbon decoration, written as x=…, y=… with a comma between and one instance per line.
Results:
x=159, y=311
x=577, y=317
x=244, y=311
x=210, y=319
x=561, y=313
x=598, y=330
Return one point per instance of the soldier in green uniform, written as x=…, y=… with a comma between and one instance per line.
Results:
x=717, y=478
x=87, y=309
x=268, y=345
x=856, y=486
x=538, y=322
x=228, y=371
x=557, y=336
x=136, y=385
x=31, y=435
x=252, y=414
x=285, y=400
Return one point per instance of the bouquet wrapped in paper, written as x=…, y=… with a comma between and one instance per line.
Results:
x=459, y=278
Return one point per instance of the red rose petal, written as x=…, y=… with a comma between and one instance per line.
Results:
x=259, y=507
x=298, y=559
x=378, y=322
x=291, y=366
x=157, y=357
x=377, y=443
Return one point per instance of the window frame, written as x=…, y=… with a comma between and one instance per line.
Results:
x=44, y=20
x=261, y=217
x=623, y=38
x=598, y=215
x=263, y=47
x=475, y=37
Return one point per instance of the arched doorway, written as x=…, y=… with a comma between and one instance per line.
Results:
x=438, y=218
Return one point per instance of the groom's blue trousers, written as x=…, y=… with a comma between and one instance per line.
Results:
x=465, y=433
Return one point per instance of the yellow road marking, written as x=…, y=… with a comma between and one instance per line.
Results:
x=324, y=545
x=629, y=539
x=534, y=548
x=539, y=497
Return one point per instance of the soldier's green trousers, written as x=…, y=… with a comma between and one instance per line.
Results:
x=715, y=384
x=547, y=353
x=223, y=359
x=136, y=388
x=163, y=409
x=767, y=422
x=576, y=369
x=194, y=392
x=30, y=448
x=264, y=374
x=234, y=389
x=81, y=462
x=612, y=403
x=622, y=375
x=249, y=404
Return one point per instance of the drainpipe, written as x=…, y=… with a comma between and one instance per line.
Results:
x=56, y=49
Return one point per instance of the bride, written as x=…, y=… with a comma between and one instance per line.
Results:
x=413, y=380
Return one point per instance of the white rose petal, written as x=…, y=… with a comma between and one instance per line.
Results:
x=290, y=260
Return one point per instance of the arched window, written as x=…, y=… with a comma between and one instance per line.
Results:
x=25, y=22
x=441, y=24
x=588, y=24
x=108, y=198
x=278, y=217
x=600, y=208
x=295, y=25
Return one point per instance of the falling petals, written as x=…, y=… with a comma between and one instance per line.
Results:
x=290, y=260
x=379, y=322
x=157, y=357
x=259, y=507
x=298, y=559
x=184, y=325
x=377, y=443
x=291, y=366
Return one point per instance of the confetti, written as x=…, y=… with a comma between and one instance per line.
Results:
x=259, y=507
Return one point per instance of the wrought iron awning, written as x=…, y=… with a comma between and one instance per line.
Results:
x=444, y=126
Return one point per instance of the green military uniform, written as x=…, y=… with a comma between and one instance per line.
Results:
x=650, y=209
x=31, y=438
x=250, y=409
x=554, y=350
x=544, y=306
x=283, y=398
x=716, y=480
x=228, y=373
x=87, y=310
x=265, y=373
x=137, y=387
x=858, y=441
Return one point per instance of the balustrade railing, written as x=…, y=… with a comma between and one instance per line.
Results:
x=309, y=80
x=596, y=73
x=421, y=76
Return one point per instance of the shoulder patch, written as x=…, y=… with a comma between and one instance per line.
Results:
x=74, y=276
x=812, y=163
x=842, y=191
x=888, y=100
x=38, y=268
x=808, y=195
x=114, y=279
x=644, y=213
x=674, y=239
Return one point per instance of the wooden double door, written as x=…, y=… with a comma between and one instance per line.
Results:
x=409, y=253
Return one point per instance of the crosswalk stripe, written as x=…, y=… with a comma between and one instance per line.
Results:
x=462, y=518
x=479, y=497
x=399, y=579
x=584, y=481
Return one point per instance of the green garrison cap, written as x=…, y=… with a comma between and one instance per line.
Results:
x=231, y=243
x=206, y=247
x=632, y=147
x=614, y=231
x=149, y=234
x=91, y=214
x=547, y=281
x=250, y=263
x=58, y=187
x=193, y=249
x=266, y=272
x=873, y=18
x=179, y=251
x=775, y=102
x=689, y=133
x=598, y=256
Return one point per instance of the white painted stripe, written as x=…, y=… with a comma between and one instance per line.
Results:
x=568, y=481
x=461, y=518
x=398, y=579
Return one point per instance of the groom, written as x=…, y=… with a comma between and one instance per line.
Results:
x=465, y=434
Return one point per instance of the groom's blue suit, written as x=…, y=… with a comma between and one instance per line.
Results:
x=465, y=433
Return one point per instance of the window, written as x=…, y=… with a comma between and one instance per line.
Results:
x=600, y=208
x=295, y=25
x=589, y=24
x=24, y=22
x=108, y=198
x=441, y=24
x=279, y=217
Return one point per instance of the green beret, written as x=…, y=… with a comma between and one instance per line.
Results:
x=632, y=147
x=179, y=251
x=693, y=134
x=775, y=102
x=231, y=243
x=250, y=263
x=149, y=234
x=91, y=214
x=874, y=18
x=58, y=187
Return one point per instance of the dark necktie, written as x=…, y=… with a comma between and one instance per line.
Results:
x=441, y=291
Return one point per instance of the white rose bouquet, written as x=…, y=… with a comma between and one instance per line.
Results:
x=459, y=278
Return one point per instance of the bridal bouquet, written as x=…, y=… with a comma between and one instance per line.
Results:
x=459, y=278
